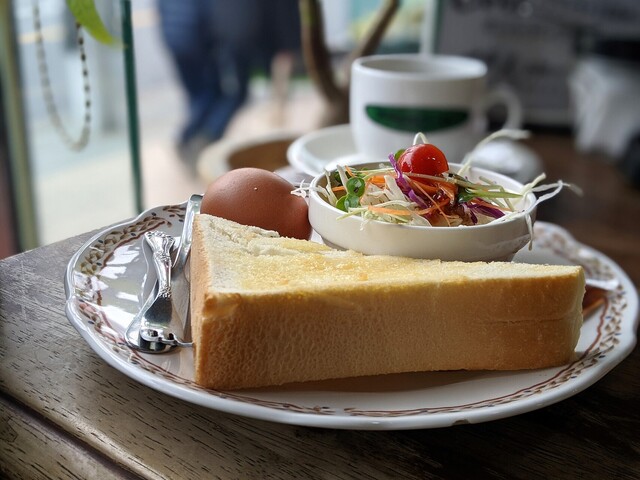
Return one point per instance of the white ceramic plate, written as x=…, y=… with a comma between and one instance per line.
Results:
x=105, y=284
x=328, y=147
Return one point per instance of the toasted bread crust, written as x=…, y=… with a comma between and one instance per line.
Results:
x=269, y=310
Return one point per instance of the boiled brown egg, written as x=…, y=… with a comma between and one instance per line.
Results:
x=259, y=198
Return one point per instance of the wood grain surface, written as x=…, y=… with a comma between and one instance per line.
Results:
x=65, y=413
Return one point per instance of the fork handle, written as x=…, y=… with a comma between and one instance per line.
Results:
x=161, y=244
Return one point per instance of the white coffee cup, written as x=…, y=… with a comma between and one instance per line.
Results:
x=393, y=97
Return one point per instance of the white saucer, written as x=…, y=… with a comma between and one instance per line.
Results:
x=322, y=149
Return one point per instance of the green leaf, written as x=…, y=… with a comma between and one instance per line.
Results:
x=347, y=201
x=87, y=15
x=355, y=186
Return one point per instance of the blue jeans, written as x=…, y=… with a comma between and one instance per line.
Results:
x=215, y=44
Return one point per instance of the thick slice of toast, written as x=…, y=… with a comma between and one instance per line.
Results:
x=268, y=310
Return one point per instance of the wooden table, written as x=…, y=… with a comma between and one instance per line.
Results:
x=67, y=414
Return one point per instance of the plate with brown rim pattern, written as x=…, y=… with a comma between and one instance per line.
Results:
x=106, y=284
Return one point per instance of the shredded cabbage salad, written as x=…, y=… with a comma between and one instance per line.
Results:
x=401, y=193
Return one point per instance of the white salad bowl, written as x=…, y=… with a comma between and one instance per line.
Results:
x=498, y=240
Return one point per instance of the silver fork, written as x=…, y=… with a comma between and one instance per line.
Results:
x=156, y=319
x=173, y=299
x=160, y=245
x=155, y=328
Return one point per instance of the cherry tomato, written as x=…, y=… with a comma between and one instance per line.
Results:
x=423, y=158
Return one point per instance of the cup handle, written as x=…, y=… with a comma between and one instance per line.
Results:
x=505, y=95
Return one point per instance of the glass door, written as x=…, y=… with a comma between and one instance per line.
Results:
x=80, y=120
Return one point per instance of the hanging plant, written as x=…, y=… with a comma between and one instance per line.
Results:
x=87, y=15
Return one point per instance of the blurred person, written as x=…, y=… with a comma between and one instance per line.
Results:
x=215, y=46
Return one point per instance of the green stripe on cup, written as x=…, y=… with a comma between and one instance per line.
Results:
x=415, y=119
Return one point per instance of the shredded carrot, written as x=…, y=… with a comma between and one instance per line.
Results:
x=377, y=180
x=424, y=211
x=389, y=211
x=424, y=188
x=339, y=188
x=450, y=190
x=435, y=207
